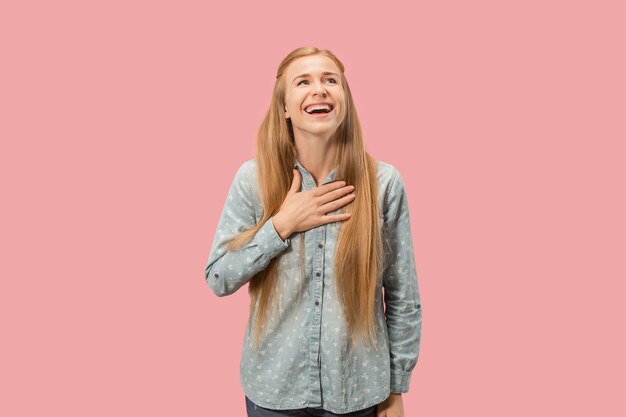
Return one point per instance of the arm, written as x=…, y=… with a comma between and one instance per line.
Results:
x=402, y=300
x=225, y=271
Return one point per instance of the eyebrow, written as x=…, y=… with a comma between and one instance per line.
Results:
x=308, y=75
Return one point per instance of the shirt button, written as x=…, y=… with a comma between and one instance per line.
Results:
x=317, y=274
x=419, y=306
x=217, y=275
x=320, y=246
x=317, y=303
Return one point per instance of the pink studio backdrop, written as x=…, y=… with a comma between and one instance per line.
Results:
x=122, y=125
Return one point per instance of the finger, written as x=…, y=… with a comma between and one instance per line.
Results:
x=332, y=218
x=335, y=194
x=295, y=183
x=328, y=187
x=336, y=204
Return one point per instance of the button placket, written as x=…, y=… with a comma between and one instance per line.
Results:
x=315, y=328
x=318, y=268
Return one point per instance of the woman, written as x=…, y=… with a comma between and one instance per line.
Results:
x=318, y=228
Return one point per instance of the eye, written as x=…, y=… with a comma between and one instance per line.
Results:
x=301, y=81
x=332, y=79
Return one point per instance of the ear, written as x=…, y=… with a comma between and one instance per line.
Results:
x=287, y=114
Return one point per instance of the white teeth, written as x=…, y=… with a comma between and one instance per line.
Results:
x=309, y=109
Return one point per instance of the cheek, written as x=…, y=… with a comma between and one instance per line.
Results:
x=292, y=108
x=293, y=104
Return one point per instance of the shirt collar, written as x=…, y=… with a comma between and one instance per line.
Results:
x=306, y=175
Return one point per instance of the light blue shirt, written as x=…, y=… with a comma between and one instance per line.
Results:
x=305, y=358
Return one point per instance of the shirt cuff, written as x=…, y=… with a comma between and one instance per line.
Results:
x=400, y=381
x=270, y=242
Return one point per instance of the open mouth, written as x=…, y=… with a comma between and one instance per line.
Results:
x=319, y=108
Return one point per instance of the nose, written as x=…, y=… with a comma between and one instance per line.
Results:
x=319, y=89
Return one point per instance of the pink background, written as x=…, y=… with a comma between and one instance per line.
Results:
x=123, y=123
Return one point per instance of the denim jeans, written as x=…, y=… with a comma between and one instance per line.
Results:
x=257, y=411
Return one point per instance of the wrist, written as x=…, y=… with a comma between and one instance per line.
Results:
x=280, y=227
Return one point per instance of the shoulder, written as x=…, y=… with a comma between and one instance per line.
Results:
x=244, y=180
x=385, y=169
x=246, y=172
x=247, y=167
x=388, y=176
x=391, y=189
x=244, y=186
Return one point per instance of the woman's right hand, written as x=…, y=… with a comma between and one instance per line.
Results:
x=302, y=211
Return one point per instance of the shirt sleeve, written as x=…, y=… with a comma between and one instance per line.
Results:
x=403, y=310
x=228, y=271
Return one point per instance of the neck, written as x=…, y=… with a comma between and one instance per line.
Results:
x=317, y=155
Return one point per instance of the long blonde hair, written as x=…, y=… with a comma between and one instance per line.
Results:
x=359, y=244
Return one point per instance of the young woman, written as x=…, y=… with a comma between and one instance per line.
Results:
x=318, y=228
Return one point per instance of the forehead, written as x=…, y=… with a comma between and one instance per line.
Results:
x=312, y=64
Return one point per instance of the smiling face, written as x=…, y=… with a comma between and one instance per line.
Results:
x=314, y=96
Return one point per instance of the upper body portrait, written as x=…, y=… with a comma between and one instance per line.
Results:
x=320, y=232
